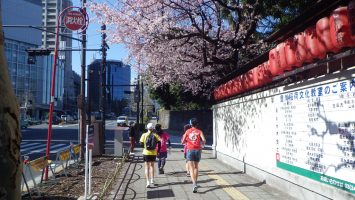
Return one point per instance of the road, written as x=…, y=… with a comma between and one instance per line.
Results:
x=34, y=138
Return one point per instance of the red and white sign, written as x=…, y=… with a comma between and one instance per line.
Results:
x=74, y=20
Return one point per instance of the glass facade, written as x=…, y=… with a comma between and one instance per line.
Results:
x=26, y=78
x=31, y=82
x=118, y=78
x=118, y=75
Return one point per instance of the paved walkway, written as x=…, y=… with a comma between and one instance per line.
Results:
x=216, y=180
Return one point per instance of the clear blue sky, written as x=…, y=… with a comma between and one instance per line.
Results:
x=116, y=51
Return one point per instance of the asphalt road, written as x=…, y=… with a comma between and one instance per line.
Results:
x=34, y=138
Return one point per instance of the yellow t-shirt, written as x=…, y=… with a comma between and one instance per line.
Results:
x=143, y=139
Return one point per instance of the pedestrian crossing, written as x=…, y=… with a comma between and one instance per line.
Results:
x=35, y=149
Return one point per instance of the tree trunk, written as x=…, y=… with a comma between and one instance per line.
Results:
x=10, y=136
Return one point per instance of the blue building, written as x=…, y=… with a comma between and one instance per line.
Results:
x=118, y=78
x=31, y=82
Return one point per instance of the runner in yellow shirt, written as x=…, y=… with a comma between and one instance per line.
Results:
x=149, y=141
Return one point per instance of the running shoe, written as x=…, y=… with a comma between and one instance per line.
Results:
x=194, y=189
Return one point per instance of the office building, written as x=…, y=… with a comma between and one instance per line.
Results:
x=118, y=77
x=51, y=10
x=31, y=82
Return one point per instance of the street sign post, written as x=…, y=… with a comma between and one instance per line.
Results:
x=77, y=19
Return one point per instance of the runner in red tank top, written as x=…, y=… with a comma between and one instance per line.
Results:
x=192, y=138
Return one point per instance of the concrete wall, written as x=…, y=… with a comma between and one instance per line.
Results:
x=301, y=146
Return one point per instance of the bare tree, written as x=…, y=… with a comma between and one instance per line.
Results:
x=10, y=136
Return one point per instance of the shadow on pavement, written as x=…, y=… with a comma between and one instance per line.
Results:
x=184, y=182
x=211, y=188
x=153, y=194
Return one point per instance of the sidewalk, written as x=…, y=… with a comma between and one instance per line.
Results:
x=216, y=181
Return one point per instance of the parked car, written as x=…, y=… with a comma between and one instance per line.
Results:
x=32, y=121
x=132, y=119
x=122, y=121
x=23, y=124
x=55, y=120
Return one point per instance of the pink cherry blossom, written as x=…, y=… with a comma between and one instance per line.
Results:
x=183, y=41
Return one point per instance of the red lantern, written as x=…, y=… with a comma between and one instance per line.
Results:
x=255, y=78
x=234, y=87
x=302, y=50
x=264, y=74
x=313, y=44
x=323, y=34
x=274, y=62
x=239, y=85
x=351, y=15
x=216, y=93
x=293, y=59
x=223, y=91
x=282, y=56
x=340, y=33
x=231, y=89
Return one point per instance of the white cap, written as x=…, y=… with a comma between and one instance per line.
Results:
x=150, y=126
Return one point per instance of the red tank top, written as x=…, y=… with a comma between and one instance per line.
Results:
x=193, y=138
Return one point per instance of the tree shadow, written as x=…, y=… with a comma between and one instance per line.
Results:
x=217, y=187
x=183, y=173
x=184, y=182
x=238, y=115
x=26, y=197
x=332, y=128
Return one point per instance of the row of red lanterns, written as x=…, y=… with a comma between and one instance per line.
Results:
x=329, y=35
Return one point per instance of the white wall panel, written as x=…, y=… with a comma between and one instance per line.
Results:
x=301, y=133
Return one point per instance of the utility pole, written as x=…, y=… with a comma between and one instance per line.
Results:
x=138, y=99
x=142, y=92
x=89, y=72
x=103, y=80
x=82, y=89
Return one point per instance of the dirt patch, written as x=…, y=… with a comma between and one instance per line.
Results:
x=72, y=187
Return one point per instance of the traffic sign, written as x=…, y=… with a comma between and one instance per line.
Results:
x=74, y=20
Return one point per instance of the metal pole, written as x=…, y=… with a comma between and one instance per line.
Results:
x=138, y=99
x=51, y=104
x=142, y=92
x=89, y=94
x=82, y=89
x=86, y=163
x=103, y=82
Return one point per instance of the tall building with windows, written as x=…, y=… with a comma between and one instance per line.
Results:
x=51, y=10
x=31, y=82
x=118, y=78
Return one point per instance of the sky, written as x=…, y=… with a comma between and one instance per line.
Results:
x=116, y=51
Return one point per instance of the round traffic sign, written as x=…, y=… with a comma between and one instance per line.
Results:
x=74, y=20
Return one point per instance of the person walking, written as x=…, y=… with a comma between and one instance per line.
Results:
x=132, y=140
x=186, y=127
x=149, y=141
x=163, y=153
x=193, y=138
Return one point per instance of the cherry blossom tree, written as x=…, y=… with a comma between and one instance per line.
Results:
x=192, y=42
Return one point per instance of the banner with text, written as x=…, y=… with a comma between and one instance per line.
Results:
x=316, y=131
